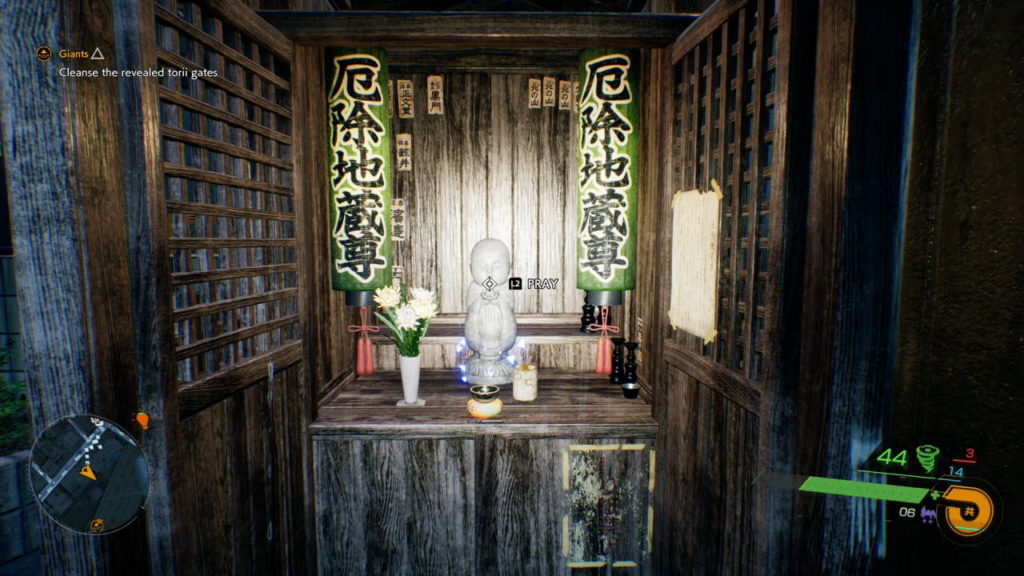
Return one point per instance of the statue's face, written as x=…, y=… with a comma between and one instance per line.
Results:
x=490, y=258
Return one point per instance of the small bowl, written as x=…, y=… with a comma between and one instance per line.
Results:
x=484, y=392
x=630, y=389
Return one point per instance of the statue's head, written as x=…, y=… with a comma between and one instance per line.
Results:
x=490, y=257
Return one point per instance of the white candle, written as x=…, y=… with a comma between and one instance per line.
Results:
x=524, y=383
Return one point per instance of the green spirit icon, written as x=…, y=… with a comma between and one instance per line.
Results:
x=926, y=455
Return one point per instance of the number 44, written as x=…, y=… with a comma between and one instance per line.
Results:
x=887, y=458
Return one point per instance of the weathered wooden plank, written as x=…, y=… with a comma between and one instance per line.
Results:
x=341, y=530
x=237, y=412
x=829, y=180
x=495, y=172
x=366, y=408
x=706, y=458
x=261, y=494
x=201, y=310
x=738, y=389
x=201, y=393
x=151, y=285
x=552, y=147
x=215, y=342
x=428, y=147
x=208, y=451
x=215, y=275
x=525, y=206
x=704, y=25
x=475, y=111
x=448, y=166
x=45, y=212
x=963, y=212
x=500, y=168
x=514, y=61
x=98, y=113
x=520, y=505
x=478, y=30
x=192, y=243
x=201, y=175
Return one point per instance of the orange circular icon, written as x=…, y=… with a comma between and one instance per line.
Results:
x=97, y=525
x=44, y=53
x=974, y=512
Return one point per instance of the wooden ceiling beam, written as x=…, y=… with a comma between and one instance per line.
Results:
x=480, y=29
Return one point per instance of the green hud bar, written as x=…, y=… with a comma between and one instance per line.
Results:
x=907, y=494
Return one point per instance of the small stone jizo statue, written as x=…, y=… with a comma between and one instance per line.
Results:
x=490, y=318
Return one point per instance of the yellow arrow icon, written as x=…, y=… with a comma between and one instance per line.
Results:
x=88, y=473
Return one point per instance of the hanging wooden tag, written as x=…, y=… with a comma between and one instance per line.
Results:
x=564, y=95
x=535, y=93
x=406, y=108
x=404, y=152
x=435, y=95
x=397, y=225
x=549, y=92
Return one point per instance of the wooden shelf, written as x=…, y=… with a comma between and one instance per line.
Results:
x=568, y=405
x=530, y=334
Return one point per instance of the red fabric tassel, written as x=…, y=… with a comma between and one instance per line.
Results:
x=604, y=345
x=364, y=347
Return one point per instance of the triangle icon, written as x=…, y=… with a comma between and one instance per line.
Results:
x=97, y=55
x=88, y=473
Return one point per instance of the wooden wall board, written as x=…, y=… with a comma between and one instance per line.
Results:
x=706, y=459
x=489, y=167
x=242, y=503
x=395, y=507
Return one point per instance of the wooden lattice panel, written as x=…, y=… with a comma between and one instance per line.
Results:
x=725, y=128
x=226, y=150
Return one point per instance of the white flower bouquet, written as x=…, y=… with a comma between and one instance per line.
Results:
x=407, y=312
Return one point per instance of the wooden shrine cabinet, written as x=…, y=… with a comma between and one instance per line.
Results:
x=549, y=487
x=560, y=485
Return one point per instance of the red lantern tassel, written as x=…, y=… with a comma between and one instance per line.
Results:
x=604, y=345
x=364, y=346
x=604, y=355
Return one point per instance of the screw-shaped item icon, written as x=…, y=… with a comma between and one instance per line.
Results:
x=926, y=455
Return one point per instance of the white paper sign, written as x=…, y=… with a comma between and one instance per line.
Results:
x=695, y=225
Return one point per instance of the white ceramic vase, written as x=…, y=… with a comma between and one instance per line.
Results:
x=410, y=366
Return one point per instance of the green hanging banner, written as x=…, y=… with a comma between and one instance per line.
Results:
x=608, y=171
x=359, y=157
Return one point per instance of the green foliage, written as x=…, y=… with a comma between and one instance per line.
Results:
x=15, y=425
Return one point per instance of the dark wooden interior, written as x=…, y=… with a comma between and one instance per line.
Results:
x=171, y=247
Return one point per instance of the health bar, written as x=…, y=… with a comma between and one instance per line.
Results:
x=907, y=494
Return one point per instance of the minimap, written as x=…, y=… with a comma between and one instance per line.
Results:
x=89, y=475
